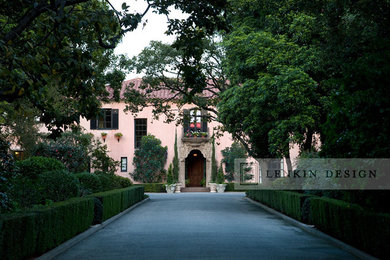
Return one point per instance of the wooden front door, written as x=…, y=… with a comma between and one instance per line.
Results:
x=195, y=170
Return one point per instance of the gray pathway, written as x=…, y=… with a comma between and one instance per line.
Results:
x=202, y=226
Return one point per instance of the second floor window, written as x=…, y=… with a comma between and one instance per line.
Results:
x=195, y=120
x=140, y=130
x=107, y=119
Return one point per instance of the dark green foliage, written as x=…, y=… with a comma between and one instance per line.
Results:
x=20, y=125
x=170, y=179
x=175, y=162
x=98, y=211
x=58, y=185
x=105, y=180
x=101, y=162
x=33, y=233
x=25, y=193
x=34, y=166
x=230, y=187
x=28, y=188
x=299, y=68
x=78, y=51
x=75, y=158
x=220, y=175
x=89, y=183
x=6, y=174
x=235, y=151
x=352, y=224
x=153, y=187
x=115, y=201
x=122, y=182
x=289, y=203
x=112, y=181
x=214, y=166
x=149, y=160
x=72, y=148
x=348, y=222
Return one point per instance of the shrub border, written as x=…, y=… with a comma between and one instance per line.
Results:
x=324, y=219
x=93, y=229
x=34, y=232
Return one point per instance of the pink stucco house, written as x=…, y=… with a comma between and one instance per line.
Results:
x=194, y=152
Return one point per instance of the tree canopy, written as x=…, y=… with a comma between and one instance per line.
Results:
x=303, y=67
x=58, y=54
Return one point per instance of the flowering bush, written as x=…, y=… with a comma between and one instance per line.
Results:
x=195, y=133
x=74, y=157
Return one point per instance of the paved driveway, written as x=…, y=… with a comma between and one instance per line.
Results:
x=202, y=226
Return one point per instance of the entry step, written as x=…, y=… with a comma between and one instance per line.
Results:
x=195, y=189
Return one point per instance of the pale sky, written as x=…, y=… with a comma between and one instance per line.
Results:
x=134, y=42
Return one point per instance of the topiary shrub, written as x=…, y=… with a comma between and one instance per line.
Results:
x=26, y=189
x=58, y=185
x=36, y=165
x=112, y=181
x=89, y=183
x=25, y=192
x=105, y=181
x=122, y=182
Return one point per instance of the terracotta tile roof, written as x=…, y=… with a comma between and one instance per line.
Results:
x=160, y=94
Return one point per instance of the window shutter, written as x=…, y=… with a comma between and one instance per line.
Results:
x=115, y=119
x=204, y=121
x=93, y=123
x=186, y=120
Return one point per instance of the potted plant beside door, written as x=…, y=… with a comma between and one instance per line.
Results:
x=221, y=186
x=171, y=185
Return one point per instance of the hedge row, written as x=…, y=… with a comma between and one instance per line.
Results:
x=289, y=203
x=33, y=233
x=348, y=222
x=352, y=224
x=116, y=201
x=153, y=187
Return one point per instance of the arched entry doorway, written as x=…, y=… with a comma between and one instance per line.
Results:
x=195, y=168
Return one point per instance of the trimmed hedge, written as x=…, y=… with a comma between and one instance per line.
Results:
x=229, y=186
x=348, y=222
x=287, y=202
x=33, y=233
x=89, y=182
x=116, y=201
x=153, y=187
x=352, y=224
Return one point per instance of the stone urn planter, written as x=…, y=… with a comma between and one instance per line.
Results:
x=170, y=188
x=178, y=187
x=221, y=188
x=213, y=187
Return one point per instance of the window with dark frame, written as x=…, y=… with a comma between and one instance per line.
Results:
x=123, y=164
x=18, y=155
x=195, y=120
x=140, y=130
x=107, y=119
